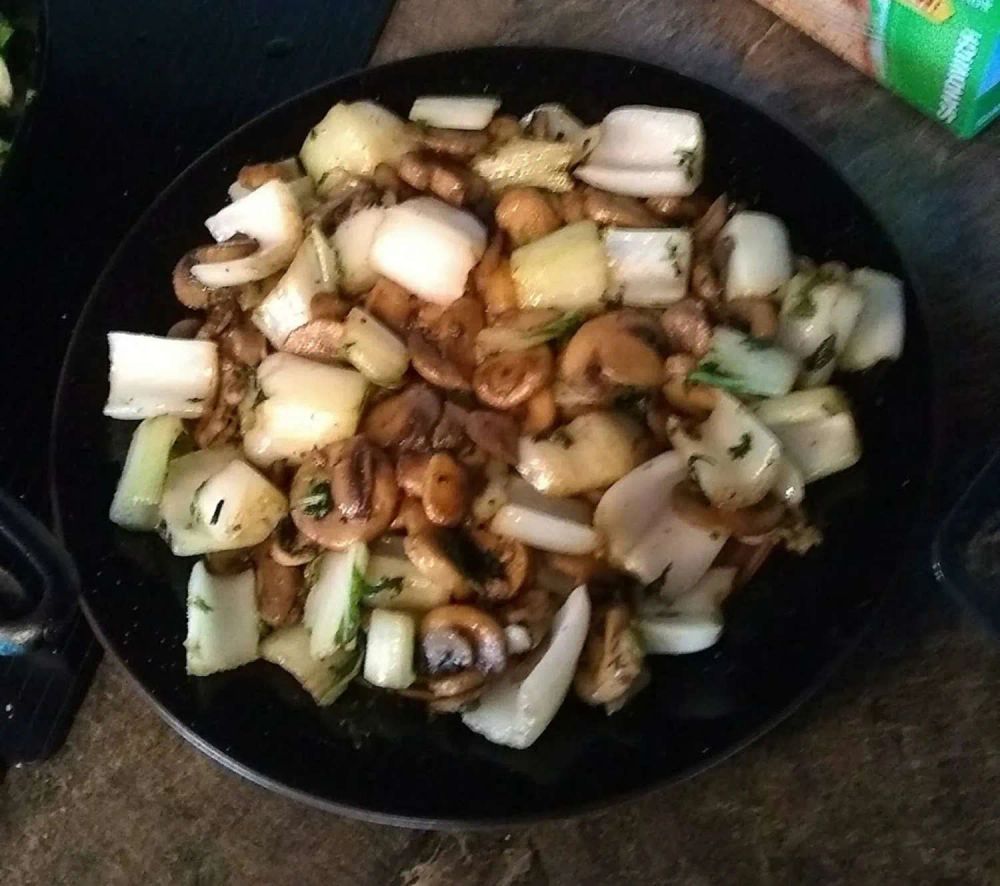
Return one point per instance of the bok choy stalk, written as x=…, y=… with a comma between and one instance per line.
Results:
x=522, y=330
x=516, y=712
x=555, y=123
x=644, y=535
x=153, y=376
x=647, y=152
x=649, y=268
x=690, y=623
x=428, y=247
x=759, y=254
x=818, y=315
x=561, y=525
x=289, y=305
x=222, y=621
x=816, y=430
x=733, y=456
x=270, y=215
x=567, y=269
x=352, y=139
x=455, y=111
x=333, y=607
x=136, y=504
x=307, y=405
x=324, y=679
x=374, y=349
x=353, y=241
x=880, y=330
x=393, y=582
x=528, y=162
x=745, y=365
x=389, y=649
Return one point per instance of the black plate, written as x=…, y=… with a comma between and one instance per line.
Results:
x=380, y=759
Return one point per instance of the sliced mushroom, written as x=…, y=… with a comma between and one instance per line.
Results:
x=456, y=638
x=256, y=174
x=687, y=327
x=448, y=693
x=391, y=304
x=411, y=472
x=526, y=214
x=189, y=290
x=581, y=568
x=410, y=518
x=678, y=210
x=539, y=413
x=574, y=398
x=509, y=379
x=444, y=352
x=513, y=559
x=453, y=182
x=711, y=223
x=343, y=494
x=493, y=280
x=613, y=348
x=431, y=552
x=186, y=328
x=572, y=206
x=317, y=340
x=759, y=519
x=614, y=209
x=684, y=396
x=503, y=127
x=229, y=562
x=219, y=424
x=757, y=314
x=394, y=189
x=244, y=343
x=449, y=433
x=494, y=433
x=611, y=664
x=705, y=282
x=406, y=420
x=328, y=306
x=289, y=547
x=446, y=490
x=279, y=590
x=432, y=365
x=456, y=142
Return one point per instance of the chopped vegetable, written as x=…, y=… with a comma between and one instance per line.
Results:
x=180, y=524
x=524, y=330
x=6, y=85
x=353, y=241
x=324, y=679
x=374, y=349
x=455, y=111
x=649, y=268
x=759, y=254
x=153, y=376
x=389, y=651
x=544, y=522
x=566, y=270
x=333, y=607
x=136, y=504
x=739, y=363
x=880, y=329
x=238, y=507
x=528, y=162
x=222, y=621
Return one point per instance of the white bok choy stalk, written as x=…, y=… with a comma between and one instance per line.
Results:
x=389, y=649
x=393, y=582
x=522, y=330
x=818, y=316
x=428, y=247
x=878, y=335
x=528, y=162
x=353, y=242
x=222, y=621
x=649, y=267
x=733, y=455
x=289, y=172
x=647, y=152
x=590, y=452
x=307, y=405
x=325, y=679
x=289, y=305
x=556, y=123
x=136, y=504
x=270, y=215
x=746, y=365
x=469, y=113
x=567, y=269
x=516, y=712
x=6, y=85
x=816, y=429
x=560, y=525
x=351, y=140
x=691, y=623
x=646, y=537
x=760, y=257
x=374, y=349
x=152, y=375
x=333, y=607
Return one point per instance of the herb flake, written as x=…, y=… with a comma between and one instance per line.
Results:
x=318, y=502
x=199, y=603
x=741, y=449
x=822, y=356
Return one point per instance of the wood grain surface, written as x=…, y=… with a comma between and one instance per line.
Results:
x=891, y=776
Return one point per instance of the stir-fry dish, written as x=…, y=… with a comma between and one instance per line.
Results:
x=17, y=63
x=481, y=411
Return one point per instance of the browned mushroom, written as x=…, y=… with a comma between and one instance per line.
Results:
x=614, y=209
x=328, y=306
x=526, y=214
x=456, y=142
x=193, y=294
x=705, y=283
x=406, y=420
x=443, y=351
x=613, y=348
x=186, y=328
x=432, y=552
x=390, y=303
x=757, y=314
x=611, y=666
x=238, y=339
x=453, y=182
x=449, y=432
x=494, y=433
x=503, y=128
x=579, y=567
x=411, y=472
x=339, y=204
x=279, y=590
x=411, y=518
x=317, y=340
x=448, y=693
x=445, y=490
x=514, y=565
x=256, y=174
x=687, y=327
x=576, y=397
x=456, y=638
x=711, y=223
x=289, y=547
x=388, y=181
x=219, y=424
x=571, y=206
x=343, y=494
x=493, y=280
x=509, y=379
x=229, y=562
x=539, y=413
x=678, y=210
x=682, y=395
x=692, y=507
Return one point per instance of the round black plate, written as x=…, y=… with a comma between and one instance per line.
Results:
x=381, y=759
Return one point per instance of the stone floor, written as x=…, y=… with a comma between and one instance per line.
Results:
x=891, y=776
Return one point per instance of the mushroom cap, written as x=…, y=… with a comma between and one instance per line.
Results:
x=456, y=637
x=509, y=379
x=617, y=348
x=406, y=420
x=612, y=658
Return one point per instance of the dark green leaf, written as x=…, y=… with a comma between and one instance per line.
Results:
x=198, y=603
x=318, y=502
x=560, y=328
x=742, y=448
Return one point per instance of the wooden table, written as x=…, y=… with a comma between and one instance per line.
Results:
x=891, y=776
